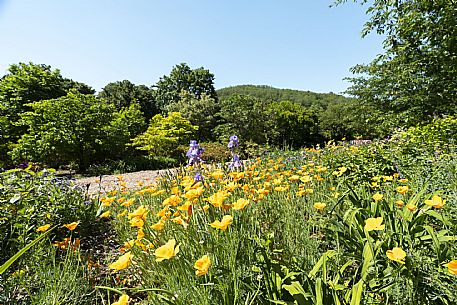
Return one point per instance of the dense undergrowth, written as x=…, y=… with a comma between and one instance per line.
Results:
x=371, y=224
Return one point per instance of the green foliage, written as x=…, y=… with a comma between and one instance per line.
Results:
x=133, y=163
x=123, y=93
x=125, y=124
x=200, y=111
x=214, y=152
x=292, y=124
x=165, y=134
x=23, y=84
x=438, y=133
x=246, y=117
x=267, y=93
x=416, y=74
x=183, y=78
x=76, y=128
x=29, y=200
x=351, y=120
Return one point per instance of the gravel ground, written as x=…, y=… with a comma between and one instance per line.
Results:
x=105, y=183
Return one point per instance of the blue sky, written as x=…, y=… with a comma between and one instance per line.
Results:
x=299, y=44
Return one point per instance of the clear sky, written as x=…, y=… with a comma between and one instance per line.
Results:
x=297, y=44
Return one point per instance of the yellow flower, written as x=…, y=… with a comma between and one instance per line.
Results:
x=107, y=201
x=218, y=174
x=172, y=200
x=140, y=234
x=43, y=228
x=404, y=180
x=231, y=186
x=140, y=212
x=167, y=251
x=397, y=254
x=71, y=226
x=374, y=224
x=400, y=203
x=281, y=188
x=178, y=220
x=128, y=202
x=377, y=197
x=122, y=262
x=222, y=225
x=306, y=179
x=194, y=193
x=123, y=300
x=294, y=178
x=137, y=222
x=217, y=199
x=402, y=189
x=202, y=265
x=105, y=214
x=319, y=205
x=158, y=226
x=452, y=267
x=437, y=202
x=240, y=204
x=411, y=207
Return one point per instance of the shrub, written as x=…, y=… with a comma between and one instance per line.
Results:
x=31, y=199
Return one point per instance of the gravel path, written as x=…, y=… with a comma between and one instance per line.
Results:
x=105, y=183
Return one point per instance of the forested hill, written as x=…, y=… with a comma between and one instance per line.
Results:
x=305, y=98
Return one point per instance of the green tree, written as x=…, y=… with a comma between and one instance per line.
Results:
x=165, y=134
x=75, y=128
x=292, y=124
x=416, y=75
x=23, y=84
x=123, y=93
x=245, y=116
x=200, y=111
x=182, y=77
x=352, y=119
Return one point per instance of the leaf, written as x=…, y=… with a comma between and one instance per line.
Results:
x=318, y=265
x=16, y=256
x=357, y=290
x=439, y=217
x=15, y=198
x=319, y=292
x=297, y=292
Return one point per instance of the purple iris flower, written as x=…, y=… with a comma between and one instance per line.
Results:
x=194, y=153
x=233, y=142
x=198, y=177
x=235, y=161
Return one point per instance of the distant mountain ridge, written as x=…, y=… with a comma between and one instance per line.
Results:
x=264, y=92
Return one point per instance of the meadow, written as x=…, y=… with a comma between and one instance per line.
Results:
x=343, y=224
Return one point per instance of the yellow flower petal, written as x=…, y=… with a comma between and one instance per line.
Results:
x=122, y=262
x=123, y=300
x=374, y=224
x=202, y=265
x=396, y=254
x=43, y=228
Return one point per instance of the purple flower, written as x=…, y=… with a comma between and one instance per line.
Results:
x=233, y=142
x=194, y=153
x=235, y=161
x=198, y=177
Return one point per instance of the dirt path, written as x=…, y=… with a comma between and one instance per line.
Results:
x=105, y=183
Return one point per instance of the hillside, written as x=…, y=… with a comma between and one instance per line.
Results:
x=306, y=98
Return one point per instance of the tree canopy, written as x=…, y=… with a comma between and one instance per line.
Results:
x=26, y=83
x=416, y=75
x=183, y=78
x=124, y=93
